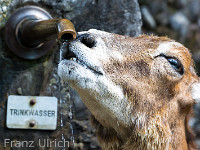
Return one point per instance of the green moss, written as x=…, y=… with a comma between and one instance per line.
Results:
x=4, y=5
x=52, y=81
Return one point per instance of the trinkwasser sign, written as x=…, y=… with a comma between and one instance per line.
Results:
x=28, y=112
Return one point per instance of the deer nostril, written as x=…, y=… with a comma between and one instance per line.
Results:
x=87, y=39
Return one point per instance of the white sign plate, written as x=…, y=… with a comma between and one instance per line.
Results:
x=29, y=112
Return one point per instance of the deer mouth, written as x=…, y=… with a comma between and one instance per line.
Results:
x=71, y=56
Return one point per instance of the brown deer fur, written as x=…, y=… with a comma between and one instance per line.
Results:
x=138, y=100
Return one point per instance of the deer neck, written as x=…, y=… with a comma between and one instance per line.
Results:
x=155, y=136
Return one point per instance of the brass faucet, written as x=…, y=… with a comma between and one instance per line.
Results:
x=31, y=32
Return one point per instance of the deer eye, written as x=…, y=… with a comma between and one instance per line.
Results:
x=175, y=63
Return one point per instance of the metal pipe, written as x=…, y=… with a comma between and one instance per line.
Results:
x=32, y=33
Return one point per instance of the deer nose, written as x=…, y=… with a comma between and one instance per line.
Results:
x=87, y=40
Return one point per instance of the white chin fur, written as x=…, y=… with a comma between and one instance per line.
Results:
x=196, y=92
x=72, y=71
x=104, y=91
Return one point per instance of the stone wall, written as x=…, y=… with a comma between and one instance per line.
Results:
x=39, y=77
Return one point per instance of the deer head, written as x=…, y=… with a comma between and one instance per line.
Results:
x=139, y=90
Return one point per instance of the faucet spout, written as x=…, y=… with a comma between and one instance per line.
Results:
x=31, y=32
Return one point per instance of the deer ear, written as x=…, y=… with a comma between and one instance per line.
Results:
x=196, y=92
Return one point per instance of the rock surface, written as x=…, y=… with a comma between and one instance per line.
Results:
x=39, y=77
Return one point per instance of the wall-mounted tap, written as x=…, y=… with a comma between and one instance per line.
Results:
x=31, y=32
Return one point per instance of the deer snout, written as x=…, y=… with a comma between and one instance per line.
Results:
x=87, y=40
